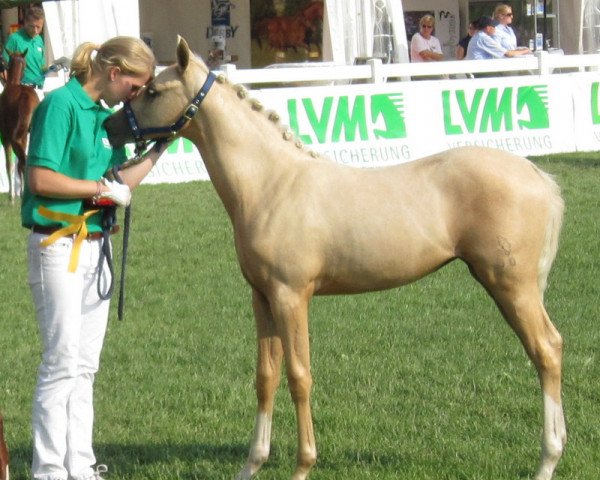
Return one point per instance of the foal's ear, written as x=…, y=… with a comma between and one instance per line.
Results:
x=183, y=53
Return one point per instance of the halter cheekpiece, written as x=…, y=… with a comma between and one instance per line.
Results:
x=140, y=134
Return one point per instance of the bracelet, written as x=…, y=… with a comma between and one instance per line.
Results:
x=96, y=197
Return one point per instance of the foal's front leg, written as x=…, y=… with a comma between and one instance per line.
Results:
x=268, y=375
x=290, y=313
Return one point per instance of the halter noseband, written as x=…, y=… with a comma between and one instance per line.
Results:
x=139, y=134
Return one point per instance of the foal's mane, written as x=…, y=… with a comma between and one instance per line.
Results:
x=271, y=115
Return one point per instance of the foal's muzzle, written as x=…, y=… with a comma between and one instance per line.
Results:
x=142, y=136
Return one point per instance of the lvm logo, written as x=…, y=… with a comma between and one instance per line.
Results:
x=596, y=103
x=496, y=109
x=348, y=119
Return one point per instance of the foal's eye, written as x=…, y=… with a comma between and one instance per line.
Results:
x=151, y=91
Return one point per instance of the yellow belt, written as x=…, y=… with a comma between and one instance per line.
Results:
x=77, y=227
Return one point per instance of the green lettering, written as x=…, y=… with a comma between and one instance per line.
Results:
x=495, y=112
x=451, y=128
x=535, y=100
x=292, y=107
x=595, y=103
x=350, y=122
x=319, y=125
x=469, y=115
x=389, y=107
x=188, y=146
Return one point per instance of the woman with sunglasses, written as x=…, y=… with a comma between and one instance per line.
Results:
x=504, y=31
x=424, y=47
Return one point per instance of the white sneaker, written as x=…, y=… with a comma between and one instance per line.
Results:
x=99, y=470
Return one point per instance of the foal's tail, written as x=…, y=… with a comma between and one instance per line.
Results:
x=553, y=227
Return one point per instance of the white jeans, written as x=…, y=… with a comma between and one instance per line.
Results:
x=72, y=321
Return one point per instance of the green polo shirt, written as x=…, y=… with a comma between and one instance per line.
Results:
x=68, y=137
x=35, y=60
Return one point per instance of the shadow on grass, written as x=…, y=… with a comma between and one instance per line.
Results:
x=411, y=465
x=212, y=462
x=193, y=461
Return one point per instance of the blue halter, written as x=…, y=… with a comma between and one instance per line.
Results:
x=140, y=134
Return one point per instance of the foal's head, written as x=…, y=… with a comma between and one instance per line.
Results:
x=16, y=67
x=163, y=101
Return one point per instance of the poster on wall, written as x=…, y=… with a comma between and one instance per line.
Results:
x=286, y=31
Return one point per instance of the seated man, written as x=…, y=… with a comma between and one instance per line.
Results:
x=485, y=46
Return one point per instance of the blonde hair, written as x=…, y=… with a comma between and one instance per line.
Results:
x=130, y=54
x=501, y=9
x=427, y=18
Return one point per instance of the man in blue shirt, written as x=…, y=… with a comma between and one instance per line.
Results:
x=485, y=46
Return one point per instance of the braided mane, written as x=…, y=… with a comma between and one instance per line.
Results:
x=271, y=115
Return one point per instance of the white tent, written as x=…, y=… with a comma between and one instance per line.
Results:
x=71, y=22
x=364, y=28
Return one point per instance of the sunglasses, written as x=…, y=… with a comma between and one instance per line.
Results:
x=426, y=26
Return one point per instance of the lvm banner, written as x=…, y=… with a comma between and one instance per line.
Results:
x=586, y=103
x=371, y=126
x=375, y=125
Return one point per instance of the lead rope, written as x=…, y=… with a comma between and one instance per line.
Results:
x=126, y=226
x=108, y=222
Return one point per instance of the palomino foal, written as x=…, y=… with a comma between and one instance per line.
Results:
x=382, y=228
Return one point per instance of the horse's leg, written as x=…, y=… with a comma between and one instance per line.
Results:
x=268, y=375
x=521, y=304
x=3, y=453
x=544, y=345
x=290, y=313
x=21, y=136
x=10, y=171
x=20, y=149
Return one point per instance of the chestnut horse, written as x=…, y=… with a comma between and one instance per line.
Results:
x=17, y=103
x=3, y=453
x=304, y=225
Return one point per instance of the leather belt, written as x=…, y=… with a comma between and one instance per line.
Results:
x=90, y=236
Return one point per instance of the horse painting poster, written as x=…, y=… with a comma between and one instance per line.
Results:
x=286, y=31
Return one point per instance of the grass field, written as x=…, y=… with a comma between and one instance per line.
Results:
x=423, y=382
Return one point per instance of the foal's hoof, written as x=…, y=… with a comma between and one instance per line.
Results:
x=246, y=473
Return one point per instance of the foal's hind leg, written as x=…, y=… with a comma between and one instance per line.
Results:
x=523, y=309
x=268, y=375
x=10, y=172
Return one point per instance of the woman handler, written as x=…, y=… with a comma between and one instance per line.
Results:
x=68, y=155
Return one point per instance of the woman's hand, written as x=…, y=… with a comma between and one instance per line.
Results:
x=118, y=193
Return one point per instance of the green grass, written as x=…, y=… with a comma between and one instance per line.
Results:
x=423, y=382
